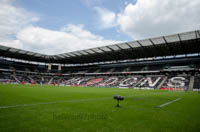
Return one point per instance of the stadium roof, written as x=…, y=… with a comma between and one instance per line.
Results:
x=171, y=45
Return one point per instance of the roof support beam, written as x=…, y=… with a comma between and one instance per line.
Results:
x=97, y=54
x=6, y=52
x=122, y=51
x=110, y=48
x=129, y=46
x=119, y=47
x=73, y=54
x=106, y=56
x=132, y=49
x=112, y=53
x=198, y=33
x=167, y=45
x=182, y=46
x=94, y=51
x=109, y=57
x=87, y=52
x=81, y=53
x=144, y=49
x=102, y=50
x=61, y=56
x=158, y=49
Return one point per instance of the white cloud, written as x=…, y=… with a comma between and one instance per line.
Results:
x=12, y=43
x=80, y=32
x=70, y=38
x=150, y=18
x=17, y=30
x=13, y=19
x=107, y=18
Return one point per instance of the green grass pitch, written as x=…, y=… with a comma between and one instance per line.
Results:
x=25, y=108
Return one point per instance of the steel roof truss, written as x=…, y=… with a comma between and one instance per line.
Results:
x=167, y=45
x=144, y=48
x=182, y=46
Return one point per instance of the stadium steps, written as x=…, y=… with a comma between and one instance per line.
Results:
x=30, y=78
x=50, y=80
x=191, y=84
x=16, y=78
x=163, y=81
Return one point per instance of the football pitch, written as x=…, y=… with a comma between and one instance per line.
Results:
x=25, y=108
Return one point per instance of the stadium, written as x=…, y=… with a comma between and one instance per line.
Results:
x=99, y=66
x=167, y=63
x=158, y=77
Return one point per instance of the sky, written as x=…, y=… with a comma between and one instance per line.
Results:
x=60, y=26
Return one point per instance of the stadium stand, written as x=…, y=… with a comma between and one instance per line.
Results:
x=167, y=63
x=176, y=82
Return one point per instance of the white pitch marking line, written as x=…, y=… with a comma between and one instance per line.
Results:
x=65, y=101
x=56, y=102
x=160, y=106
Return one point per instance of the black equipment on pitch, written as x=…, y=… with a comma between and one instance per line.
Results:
x=118, y=98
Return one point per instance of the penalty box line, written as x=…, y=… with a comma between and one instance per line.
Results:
x=170, y=102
